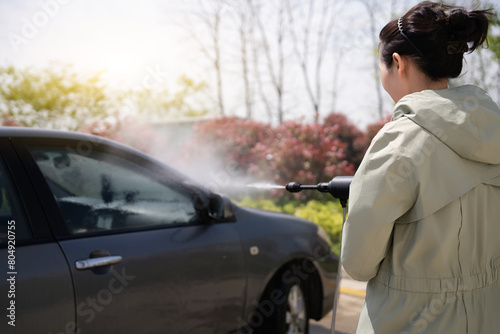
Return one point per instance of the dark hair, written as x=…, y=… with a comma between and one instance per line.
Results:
x=435, y=37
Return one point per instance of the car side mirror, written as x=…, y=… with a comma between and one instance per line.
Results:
x=220, y=208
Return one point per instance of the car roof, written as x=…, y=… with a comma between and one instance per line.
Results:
x=15, y=131
x=24, y=132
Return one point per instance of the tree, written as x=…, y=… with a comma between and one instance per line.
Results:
x=207, y=33
x=255, y=9
x=310, y=44
x=246, y=27
x=272, y=44
x=372, y=9
x=54, y=97
x=494, y=46
x=353, y=138
x=494, y=39
x=186, y=101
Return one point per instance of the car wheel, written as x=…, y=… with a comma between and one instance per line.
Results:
x=296, y=317
x=291, y=316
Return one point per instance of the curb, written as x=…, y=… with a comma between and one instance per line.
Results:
x=352, y=292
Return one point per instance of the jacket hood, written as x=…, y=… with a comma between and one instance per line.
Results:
x=464, y=118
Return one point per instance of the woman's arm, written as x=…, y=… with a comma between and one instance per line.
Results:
x=381, y=191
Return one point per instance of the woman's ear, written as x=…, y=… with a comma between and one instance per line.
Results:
x=399, y=62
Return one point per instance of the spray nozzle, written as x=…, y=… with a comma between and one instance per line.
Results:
x=338, y=187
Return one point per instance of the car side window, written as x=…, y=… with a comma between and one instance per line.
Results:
x=100, y=191
x=13, y=223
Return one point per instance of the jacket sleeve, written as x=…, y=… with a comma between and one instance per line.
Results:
x=381, y=191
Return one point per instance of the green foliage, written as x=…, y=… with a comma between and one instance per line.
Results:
x=187, y=101
x=57, y=97
x=54, y=97
x=327, y=214
x=494, y=39
x=263, y=204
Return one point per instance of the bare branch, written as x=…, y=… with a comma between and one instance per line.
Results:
x=210, y=16
x=371, y=6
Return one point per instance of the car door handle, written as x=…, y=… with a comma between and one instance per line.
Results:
x=97, y=262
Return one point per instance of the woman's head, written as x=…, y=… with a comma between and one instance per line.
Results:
x=434, y=37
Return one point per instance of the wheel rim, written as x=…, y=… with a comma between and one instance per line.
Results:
x=296, y=311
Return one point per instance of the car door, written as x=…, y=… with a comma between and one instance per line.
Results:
x=36, y=291
x=143, y=255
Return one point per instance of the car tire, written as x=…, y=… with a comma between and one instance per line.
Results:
x=291, y=316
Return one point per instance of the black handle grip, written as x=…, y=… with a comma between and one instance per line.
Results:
x=338, y=187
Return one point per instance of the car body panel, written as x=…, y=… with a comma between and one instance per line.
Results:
x=292, y=245
x=43, y=290
x=178, y=278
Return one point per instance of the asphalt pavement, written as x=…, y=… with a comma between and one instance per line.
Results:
x=352, y=295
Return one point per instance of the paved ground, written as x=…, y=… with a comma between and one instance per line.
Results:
x=348, y=308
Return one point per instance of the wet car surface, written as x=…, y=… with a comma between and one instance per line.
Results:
x=96, y=237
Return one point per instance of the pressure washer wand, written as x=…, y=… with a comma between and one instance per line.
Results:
x=338, y=187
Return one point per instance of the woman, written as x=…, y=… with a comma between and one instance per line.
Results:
x=424, y=212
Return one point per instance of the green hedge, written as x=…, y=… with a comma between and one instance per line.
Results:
x=327, y=214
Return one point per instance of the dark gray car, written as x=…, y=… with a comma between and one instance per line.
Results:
x=96, y=237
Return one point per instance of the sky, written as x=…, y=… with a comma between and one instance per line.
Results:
x=140, y=43
x=125, y=39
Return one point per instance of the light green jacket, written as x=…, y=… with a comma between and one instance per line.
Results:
x=424, y=217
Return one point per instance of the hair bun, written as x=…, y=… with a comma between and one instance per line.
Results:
x=467, y=30
x=457, y=19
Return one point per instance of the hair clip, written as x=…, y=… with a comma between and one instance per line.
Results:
x=400, y=27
